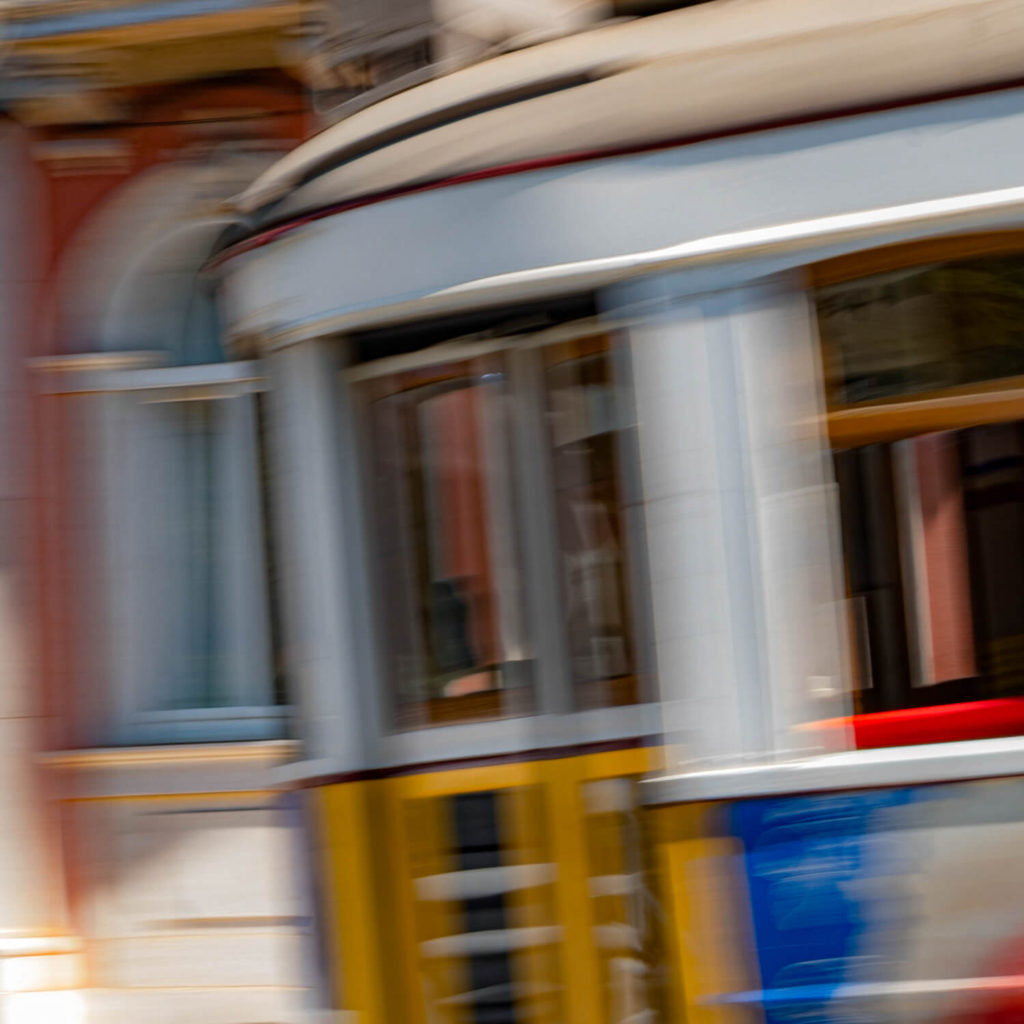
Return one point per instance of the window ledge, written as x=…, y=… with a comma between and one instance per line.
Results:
x=213, y=714
x=206, y=726
x=111, y=372
x=530, y=738
x=516, y=736
x=859, y=769
x=270, y=751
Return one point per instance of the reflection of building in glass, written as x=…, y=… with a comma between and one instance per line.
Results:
x=932, y=520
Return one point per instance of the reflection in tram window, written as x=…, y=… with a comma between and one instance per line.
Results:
x=934, y=537
x=929, y=327
x=442, y=510
x=931, y=494
x=585, y=435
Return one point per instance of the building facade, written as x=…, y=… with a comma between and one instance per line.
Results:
x=151, y=869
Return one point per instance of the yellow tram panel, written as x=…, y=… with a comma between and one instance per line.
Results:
x=418, y=919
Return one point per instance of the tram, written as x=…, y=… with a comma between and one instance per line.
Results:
x=647, y=418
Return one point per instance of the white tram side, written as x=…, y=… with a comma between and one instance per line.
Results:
x=649, y=404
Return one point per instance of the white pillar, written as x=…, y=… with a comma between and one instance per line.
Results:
x=738, y=501
x=326, y=605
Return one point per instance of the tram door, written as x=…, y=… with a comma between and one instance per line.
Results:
x=483, y=887
x=504, y=894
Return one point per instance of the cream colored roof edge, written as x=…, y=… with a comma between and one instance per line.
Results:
x=724, y=27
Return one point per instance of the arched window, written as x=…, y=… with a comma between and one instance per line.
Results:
x=184, y=624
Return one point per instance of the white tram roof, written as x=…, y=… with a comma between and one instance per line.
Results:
x=718, y=67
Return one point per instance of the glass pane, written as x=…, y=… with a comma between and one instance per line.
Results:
x=194, y=540
x=447, y=560
x=932, y=524
x=275, y=583
x=196, y=670
x=585, y=436
x=933, y=531
x=923, y=329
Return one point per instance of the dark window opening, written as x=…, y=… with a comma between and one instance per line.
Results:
x=499, y=322
x=645, y=8
x=448, y=565
x=932, y=505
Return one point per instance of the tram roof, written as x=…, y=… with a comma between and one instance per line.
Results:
x=717, y=68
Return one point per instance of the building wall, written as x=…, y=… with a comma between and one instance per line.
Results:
x=177, y=872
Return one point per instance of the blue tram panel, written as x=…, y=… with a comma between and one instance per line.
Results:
x=885, y=905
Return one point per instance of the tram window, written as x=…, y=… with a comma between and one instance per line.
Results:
x=916, y=330
x=585, y=435
x=447, y=554
x=934, y=537
x=931, y=494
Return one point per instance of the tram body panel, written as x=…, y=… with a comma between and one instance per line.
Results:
x=369, y=263
x=514, y=885
x=898, y=904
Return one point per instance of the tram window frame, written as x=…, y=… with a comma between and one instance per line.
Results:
x=901, y=424
x=534, y=519
x=625, y=686
x=420, y=385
